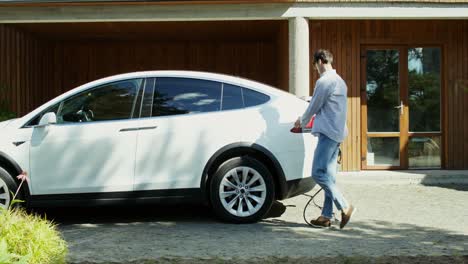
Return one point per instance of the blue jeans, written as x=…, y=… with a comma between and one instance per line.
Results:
x=324, y=173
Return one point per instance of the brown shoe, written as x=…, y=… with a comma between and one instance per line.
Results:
x=345, y=217
x=320, y=222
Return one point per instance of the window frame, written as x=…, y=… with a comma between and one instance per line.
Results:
x=404, y=134
x=60, y=104
x=222, y=97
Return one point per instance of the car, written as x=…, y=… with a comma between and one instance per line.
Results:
x=161, y=136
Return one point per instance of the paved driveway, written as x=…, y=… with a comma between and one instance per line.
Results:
x=413, y=222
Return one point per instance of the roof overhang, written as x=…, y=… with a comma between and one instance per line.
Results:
x=204, y=12
x=189, y=2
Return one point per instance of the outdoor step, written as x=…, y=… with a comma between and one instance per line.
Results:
x=424, y=177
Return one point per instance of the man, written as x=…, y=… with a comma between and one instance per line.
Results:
x=328, y=104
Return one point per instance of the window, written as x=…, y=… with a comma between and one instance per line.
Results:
x=113, y=101
x=252, y=97
x=424, y=82
x=175, y=96
x=232, y=97
x=235, y=97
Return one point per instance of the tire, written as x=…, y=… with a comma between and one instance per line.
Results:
x=254, y=204
x=7, y=185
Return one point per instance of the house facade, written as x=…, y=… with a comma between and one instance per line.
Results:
x=405, y=62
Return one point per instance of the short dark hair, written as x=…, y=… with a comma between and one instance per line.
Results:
x=324, y=55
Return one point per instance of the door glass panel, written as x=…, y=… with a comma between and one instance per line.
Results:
x=424, y=89
x=114, y=101
x=424, y=152
x=383, y=151
x=383, y=92
x=175, y=96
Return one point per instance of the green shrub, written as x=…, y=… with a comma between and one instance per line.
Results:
x=5, y=113
x=31, y=239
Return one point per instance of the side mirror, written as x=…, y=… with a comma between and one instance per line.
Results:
x=48, y=119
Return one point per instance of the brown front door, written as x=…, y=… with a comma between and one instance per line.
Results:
x=400, y=109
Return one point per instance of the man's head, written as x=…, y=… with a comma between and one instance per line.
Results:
x=323, y=60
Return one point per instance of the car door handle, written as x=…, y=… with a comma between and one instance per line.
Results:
x=137, y=128
x=128, y=129
x=147, y=128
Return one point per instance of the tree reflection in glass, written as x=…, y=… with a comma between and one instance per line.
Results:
x=424, y=89
x=383, y=93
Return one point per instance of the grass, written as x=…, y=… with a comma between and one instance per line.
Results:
x=26, y=238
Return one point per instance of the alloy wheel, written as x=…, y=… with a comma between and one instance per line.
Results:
x=4, y=195
x=242, y=191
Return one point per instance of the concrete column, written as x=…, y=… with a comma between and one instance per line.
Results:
x=299, y=56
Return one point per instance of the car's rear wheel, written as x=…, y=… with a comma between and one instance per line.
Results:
x=7, y=185
x=242, y=190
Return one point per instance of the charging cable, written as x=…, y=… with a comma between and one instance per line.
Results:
x=312, y=197
x=307, y=205
x=311, y=200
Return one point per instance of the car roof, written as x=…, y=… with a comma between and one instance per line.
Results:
x=186, y=74
x=243, y=82
x=260, y=87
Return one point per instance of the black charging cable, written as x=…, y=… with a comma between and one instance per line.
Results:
x=311, y=200
x=312, y=197
x=307, y=205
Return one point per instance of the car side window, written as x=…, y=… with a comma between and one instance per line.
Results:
x=175, y=96
x=113, y=101
x=232, y=97
x=252, y=98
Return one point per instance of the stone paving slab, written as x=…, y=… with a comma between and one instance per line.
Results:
x=392, y=222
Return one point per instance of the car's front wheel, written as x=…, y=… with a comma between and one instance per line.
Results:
x=7, y=186
x=242, y=190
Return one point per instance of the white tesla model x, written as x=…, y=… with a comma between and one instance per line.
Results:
x=161, y=136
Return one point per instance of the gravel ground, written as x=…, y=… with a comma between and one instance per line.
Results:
x=393, y=224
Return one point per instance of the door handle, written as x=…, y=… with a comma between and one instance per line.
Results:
x=147, y=128
x=401, y=107
x=128, y=129
x=137, y=128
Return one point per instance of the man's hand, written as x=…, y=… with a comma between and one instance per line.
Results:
x=298, y=123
